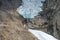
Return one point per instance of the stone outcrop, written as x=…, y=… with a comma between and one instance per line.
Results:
x=52, y=12
x=48, y=20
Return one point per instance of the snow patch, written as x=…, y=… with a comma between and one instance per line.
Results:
x=41, y=35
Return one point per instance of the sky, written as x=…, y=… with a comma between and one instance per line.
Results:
x=30, y=8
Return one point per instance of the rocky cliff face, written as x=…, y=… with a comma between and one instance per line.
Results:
x=11, y=23
x=10, y=4
x=49, y=19
x=53, y=16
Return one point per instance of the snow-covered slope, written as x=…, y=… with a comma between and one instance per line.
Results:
x=41, y=35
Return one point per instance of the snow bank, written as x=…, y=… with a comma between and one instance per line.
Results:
x=41, y=35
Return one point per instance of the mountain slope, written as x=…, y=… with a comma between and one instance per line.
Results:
x=11, y=23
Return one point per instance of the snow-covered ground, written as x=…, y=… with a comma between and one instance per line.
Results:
x=30, y=8
x=41, y=35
